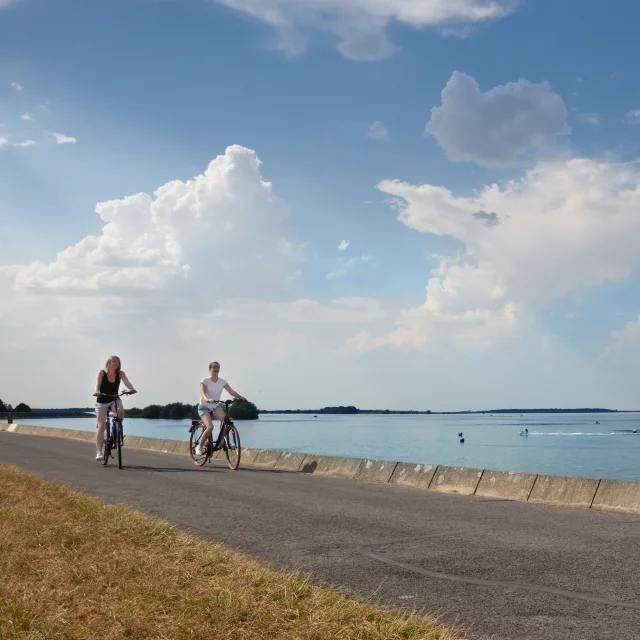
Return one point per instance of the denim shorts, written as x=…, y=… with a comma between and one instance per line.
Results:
x=202, y=408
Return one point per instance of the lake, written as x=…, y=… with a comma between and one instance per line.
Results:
x=562, y=444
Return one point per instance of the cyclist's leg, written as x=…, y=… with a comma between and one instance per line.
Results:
x=220, y=415
x=208, y=423
x=102, y=413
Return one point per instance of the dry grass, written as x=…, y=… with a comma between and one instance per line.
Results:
x=71, y=567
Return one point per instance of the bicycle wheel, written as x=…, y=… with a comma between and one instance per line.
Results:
x=194, y=438
x=118, y=440
x=232, y=448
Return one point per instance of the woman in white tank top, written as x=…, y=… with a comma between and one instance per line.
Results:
x=209, y=406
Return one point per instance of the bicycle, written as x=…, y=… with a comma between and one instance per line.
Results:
x=113, y=434
x=228, y=439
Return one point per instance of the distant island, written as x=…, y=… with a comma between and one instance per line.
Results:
x=351, y=410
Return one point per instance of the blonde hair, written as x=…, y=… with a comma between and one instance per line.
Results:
x=110, y=359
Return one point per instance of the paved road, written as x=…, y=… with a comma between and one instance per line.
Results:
x=507, y=570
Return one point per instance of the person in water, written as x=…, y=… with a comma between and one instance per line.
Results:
x=108, y=383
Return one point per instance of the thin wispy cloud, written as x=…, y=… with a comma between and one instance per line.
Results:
x=590, y=118
x=377, y=131
x=26, y=116
x=25, y=143
x=362, y=26
x=16, y=85
x=3, y=142
x=345, y=266
x=343, y=245
x=633, y=117
x=61, y=138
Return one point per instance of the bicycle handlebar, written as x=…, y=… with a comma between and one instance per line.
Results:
x=117, y=395
x=228, y=402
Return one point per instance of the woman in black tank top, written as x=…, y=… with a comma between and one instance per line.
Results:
x=108, y=382
x=108, y=387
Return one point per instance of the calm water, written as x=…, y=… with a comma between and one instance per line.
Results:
x=563, y=444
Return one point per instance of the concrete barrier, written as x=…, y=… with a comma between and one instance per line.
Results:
x=29, y=430
x=618, y=495
x=408, y=474
x=151, y=444
x=85, y=436
x=247, y=456
x=267, y=458
x=509, y=485
x=331, y=466
x=456, y=480
x=564, y=490
x=378, y=471
x=290, y=461
x=182, y=448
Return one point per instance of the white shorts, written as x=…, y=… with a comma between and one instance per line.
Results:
x=103, y=407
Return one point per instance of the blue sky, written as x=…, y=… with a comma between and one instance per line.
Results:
x=540, y=309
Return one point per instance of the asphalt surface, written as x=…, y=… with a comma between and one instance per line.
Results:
x=503, y=570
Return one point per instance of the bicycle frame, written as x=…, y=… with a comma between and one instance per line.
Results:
x=113, y=432
x=228, y=439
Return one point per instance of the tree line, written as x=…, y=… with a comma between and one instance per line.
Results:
x=244, y=410
x=20, y=408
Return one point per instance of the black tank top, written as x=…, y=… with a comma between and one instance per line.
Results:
x=111, y=388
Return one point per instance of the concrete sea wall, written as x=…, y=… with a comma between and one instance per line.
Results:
x=590, y=493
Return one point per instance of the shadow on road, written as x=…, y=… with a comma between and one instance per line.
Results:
x=142, y=467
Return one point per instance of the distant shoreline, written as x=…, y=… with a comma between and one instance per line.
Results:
x=89, y=412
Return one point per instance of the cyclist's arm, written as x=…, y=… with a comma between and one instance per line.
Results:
x=203, y=393
x=96, y=391
x=233, y=393
x=123, y=377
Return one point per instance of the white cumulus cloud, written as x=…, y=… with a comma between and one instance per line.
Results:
x=224, y=229
x=361, y=25
x=61, y=138
x=377, y=131
x=343, y=245
x=493, y=128
x=562, y=227
x=26, y=116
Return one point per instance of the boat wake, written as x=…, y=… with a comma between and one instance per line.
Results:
x=621, y=432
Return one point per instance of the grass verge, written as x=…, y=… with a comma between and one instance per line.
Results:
x=73, y=567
